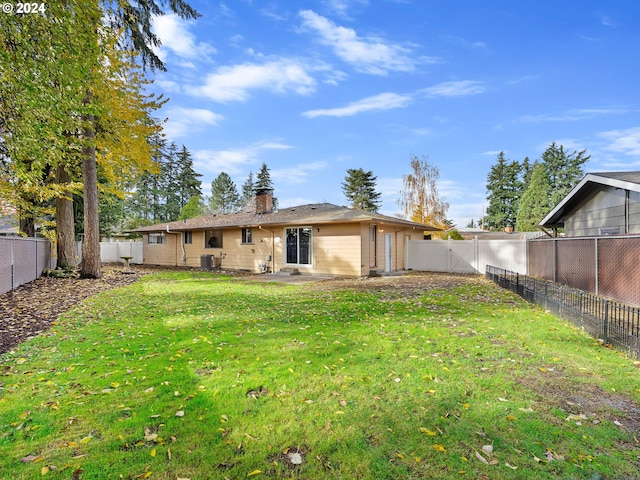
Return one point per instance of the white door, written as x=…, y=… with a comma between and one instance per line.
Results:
x=387, y=252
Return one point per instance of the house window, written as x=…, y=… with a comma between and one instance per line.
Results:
x=299, y=245
x=213, y=239
x=247, y=235
x=188, y=238
x=156, y=238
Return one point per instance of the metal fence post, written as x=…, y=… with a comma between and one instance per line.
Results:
x=596, y=267
x=605, y=327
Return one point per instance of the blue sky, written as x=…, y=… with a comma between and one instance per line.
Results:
x=315, y=87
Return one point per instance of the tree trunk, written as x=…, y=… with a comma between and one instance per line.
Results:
x=27, y=226
x=91, y=242
x=65, y=227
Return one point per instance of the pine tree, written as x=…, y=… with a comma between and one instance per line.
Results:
x=504, y=188
x=535, y=201
x=170, y=186
x=359, y=187
x=224, y=195
x=248, y=188
x=564, y=170
x=188, y=183
x=263, y=179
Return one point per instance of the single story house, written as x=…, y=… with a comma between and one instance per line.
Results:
x=601, y=204
x=314, y=239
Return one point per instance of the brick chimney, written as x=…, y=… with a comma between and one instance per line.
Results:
x=264, y=200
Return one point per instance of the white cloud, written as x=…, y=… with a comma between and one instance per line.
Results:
x=368, y=55
x=572, y=115
x=233, y=83
x=623, y=141
x=183, y=121
x=384, y=101
x=454, y=89
x=176, y=37
x=299, y=173
x=232, y=161
x=340, y=7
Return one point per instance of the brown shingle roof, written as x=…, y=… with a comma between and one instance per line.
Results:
x=303, y=214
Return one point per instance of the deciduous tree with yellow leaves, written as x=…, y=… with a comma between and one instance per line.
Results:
x=419, y=199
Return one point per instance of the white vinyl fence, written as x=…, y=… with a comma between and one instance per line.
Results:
x=111, y=252
x=22, y=260
x=466, y=256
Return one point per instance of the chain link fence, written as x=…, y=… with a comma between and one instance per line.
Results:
x=22, y=260
x=613, y=322
x=606, y=266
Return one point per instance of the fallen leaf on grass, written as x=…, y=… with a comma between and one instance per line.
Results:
x=255, y=472
x=31, y=458
x=482, y=459
x=180, y=413
x=488, y=449
x=439, y=447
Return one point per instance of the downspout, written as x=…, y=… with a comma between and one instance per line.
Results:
x=183, y=253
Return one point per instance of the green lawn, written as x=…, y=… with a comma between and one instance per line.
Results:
x=199, y=376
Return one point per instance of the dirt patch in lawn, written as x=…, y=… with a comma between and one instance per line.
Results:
x=412, y=284
x=583, y=402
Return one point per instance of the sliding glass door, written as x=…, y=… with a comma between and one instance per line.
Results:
x=298, y=246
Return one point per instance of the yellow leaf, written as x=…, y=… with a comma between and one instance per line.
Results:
x=44, y=470
x=439, y=448
x=255, y=472
x=153, y=452
x=511, y=418
x=431, y=433
x=400, y=455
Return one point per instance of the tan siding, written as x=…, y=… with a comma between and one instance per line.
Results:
x=160, y=254
x=337, y=249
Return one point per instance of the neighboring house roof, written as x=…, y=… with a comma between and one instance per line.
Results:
x=316, y=213
x=470, y=233
x=8, y=225
x=623, y=180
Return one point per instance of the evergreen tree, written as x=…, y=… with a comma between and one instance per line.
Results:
x=170, y=186
x=535, y=202
x=224, y=195
x=188, y=183
x=504, y=188
x=564, y=170
x=359, y=187
x=263, y=179
x=248, y=188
